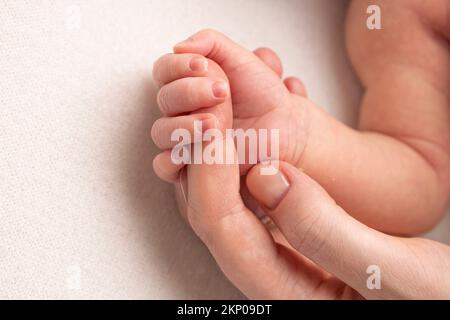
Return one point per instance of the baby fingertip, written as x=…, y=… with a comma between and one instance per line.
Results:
x=182, y=44
x=220, y=89
x=199, y=64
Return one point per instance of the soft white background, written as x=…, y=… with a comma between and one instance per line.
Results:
x=77, y=192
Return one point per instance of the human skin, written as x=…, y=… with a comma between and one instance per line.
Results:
x=316, y=250
x=393, y=173
x=321, y=252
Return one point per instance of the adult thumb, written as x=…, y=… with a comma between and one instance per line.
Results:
x=318, y=228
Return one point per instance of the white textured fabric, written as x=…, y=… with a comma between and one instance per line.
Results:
x=82, y=214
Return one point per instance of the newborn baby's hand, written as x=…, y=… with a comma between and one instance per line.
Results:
x=260, y=98
x=192, y=88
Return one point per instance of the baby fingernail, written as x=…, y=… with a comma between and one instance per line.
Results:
x=199, y=64
x=220, y=89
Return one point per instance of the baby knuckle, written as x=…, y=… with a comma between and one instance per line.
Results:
x=155, y=75
x=156, y=132
x=160, y=68
x=166, y=57
x=161, y=99
x=156, y=68
x=208, y=32
x=191, y=93
x=170, y=67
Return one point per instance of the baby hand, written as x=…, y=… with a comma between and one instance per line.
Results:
x=192, y=88
x=261, y=100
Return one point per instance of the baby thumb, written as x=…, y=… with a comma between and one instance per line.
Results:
x=252, y=82
x=218, y=47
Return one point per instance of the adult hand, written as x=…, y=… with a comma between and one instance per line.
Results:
x=317, y=252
